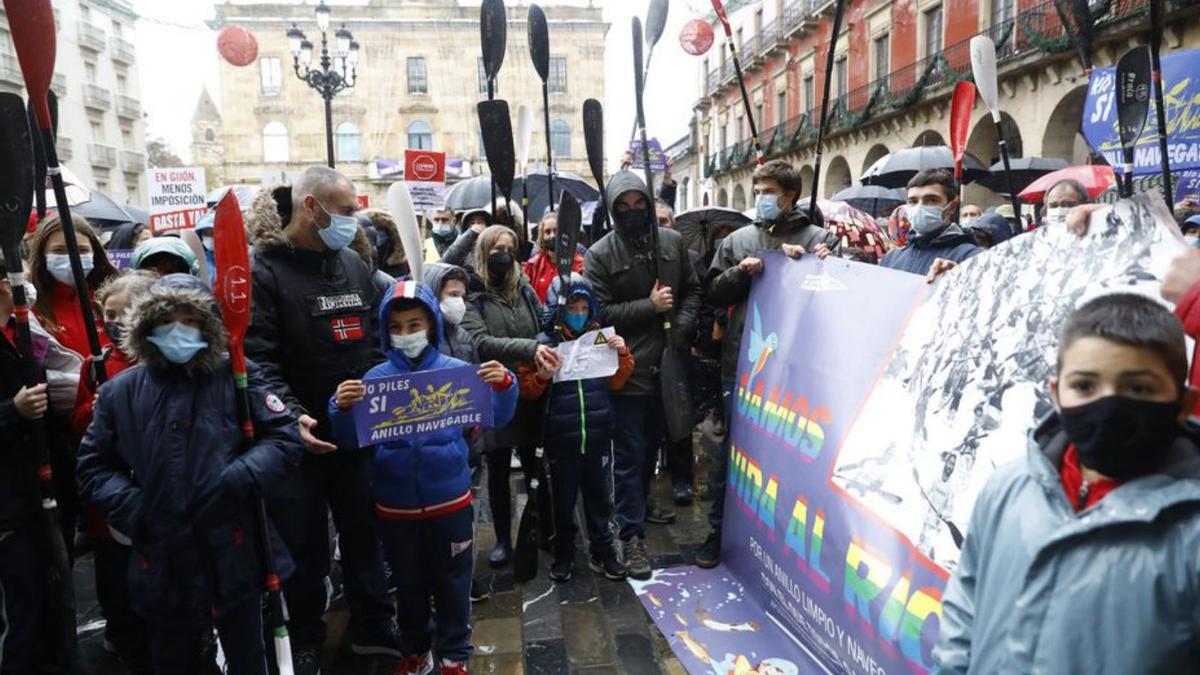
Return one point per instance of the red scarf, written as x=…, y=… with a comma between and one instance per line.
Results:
x=1080, y=493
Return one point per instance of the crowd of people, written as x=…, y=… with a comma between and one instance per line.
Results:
x=155, y=480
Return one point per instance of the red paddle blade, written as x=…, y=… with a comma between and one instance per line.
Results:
x=232, y=256
x=31, y=23
x=719, y=8
x=960, y=118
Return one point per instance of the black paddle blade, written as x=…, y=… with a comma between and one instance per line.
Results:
x=16, y=174
x=570, y=219
x=656, y=21
x=493, y=34
x=638, y=74
x=539, y=42
x=1076, y=19
x=496, y=127
x=1133, y=93
x=593, y=138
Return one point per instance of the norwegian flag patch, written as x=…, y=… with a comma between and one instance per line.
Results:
x=274, y=403
x=346, y=329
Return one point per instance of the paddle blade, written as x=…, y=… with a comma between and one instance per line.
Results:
x=719, y=8
x=570, y=219
x=31, y=25
x=656, y=21
x=1133, y=93
x=493, y=34
x=524, y=135
x=232, y=257
x=16, y=176
x=539, y=42
x=638, y=73
x=593, y=137
x=496, y=126
x=960, y=118
x=983, y=66
x=400, y=204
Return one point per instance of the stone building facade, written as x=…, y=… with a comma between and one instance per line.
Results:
x=419, y=80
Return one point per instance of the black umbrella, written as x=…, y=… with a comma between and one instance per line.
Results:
x=537, y=182
x=101, y=211
x=873, y=200
x=896, y=169
x=137, y=214
x=1025, y=170
x=695, y=225
x=473, y=193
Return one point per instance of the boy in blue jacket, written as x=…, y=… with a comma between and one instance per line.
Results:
x=164, y=459
x=422, y=488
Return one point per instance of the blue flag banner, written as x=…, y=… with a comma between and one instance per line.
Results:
x=866, y=418
x=1181, y=90
x=120, y=257
x=418, y=403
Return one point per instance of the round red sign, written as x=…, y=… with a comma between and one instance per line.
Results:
x=696, y=37
x=424, y=168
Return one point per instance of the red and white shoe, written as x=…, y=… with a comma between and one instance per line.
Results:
x=415, y=664
x=453, y=667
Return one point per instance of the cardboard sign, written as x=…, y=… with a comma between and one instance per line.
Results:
x=425, y=173
x=658, y=158
x=177, y=198
x=587, y=357
x=420, y=403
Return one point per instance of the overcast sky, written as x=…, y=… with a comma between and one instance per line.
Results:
x=177, y=57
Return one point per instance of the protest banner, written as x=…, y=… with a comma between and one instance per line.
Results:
x=425, y=173
x=420, y=403
x=1181, y=88
x=120, y=257
x=1187, y=186
x=658, y=158
x=587, y=356
x=860, y=439
x=177, y=198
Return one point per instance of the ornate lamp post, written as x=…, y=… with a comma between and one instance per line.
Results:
x=332, y=77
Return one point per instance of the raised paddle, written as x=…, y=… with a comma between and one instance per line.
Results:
x=1076, y=18
x=960, y=125
x=831, y=50
x=539, y=53
x=493, y=37
x=719, y=8
x=496, y=127
x=232, y=257
x=593, y=140
x=1156, y=26
x=1133, y=103
x=656, y=23
x=39, y=155
x=16, y=191
x=983, y=66
x=400, y=205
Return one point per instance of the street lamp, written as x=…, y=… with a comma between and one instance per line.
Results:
x=332, y=77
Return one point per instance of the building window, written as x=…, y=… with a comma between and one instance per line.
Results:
x=271, y=75
x=126, y=138
x=758, y=30
x=841, y=73
x=131, y=180
x=89, y=69
x=420, y=136
x=933, y=31
x=560, y=138
x=349, y=142
x=275, y=142
x=758, y=115
x=558, y=75
x=209, y=135
x=418, y=82
x=781, y=106
x=1002, y=12
x=116, y=29
x=724, y=137
x=97, y=130
x=808, y=93
x=122, y=83
x=883, y=56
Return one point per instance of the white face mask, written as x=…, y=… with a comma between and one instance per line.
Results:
x=969, y=222
x=453, y=310
x=59, y=266
x=1057, y=215
x=411, y=345
x=925, y=219
x=207, y=242
x=1190, y=239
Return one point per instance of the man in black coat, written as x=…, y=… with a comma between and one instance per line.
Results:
x=310, y=331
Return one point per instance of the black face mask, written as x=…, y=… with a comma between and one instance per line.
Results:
x=1122, y=437
x=631, y=223
x=115, y=330
x=499, y=265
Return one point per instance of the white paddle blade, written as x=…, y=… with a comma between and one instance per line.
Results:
x=983, y=65
x=524, y=136
x=400, y=203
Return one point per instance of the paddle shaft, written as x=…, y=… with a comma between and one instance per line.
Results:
x=737, y=68
x=549, y=143
x=491, y=87
x=645, y=76
x=827, y=85
x=1156, y=24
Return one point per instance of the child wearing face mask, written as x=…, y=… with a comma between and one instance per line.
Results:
x=578, y=432
x=422, y=487
x=1091, y=537
x=541, y=269
x=165, y=460
x=57, y=306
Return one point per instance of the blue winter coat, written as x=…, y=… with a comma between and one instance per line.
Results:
x=1112, y=589
x=918, y=255
x=421, y=474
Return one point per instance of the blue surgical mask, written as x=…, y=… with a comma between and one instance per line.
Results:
x=411, y=345
x=925, y=219
x=59, y=266
x=443, y=229
x=177, y=342
x=576, y=321
x=768, y=207
x=340, y=232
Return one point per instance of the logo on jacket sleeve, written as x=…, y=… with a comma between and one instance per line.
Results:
x=346, y=329
x=274, y=403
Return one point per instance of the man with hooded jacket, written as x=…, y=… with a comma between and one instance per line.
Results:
x=311, y=329
x=621, y=268
x=781, y=224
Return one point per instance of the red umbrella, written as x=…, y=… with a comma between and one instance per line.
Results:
x=1095, y=177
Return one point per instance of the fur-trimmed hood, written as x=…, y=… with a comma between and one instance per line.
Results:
x=383, y=222
x=169, y=294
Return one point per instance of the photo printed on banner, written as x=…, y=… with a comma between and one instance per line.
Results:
x=969, y=377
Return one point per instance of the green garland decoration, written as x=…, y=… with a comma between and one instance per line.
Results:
x=857, y=119
x=908, y=98
x=1050, y=45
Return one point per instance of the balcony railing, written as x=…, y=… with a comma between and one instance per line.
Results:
x=63, y=145
x=122, y=50
x=10, y=70
x=103, y=156
x=92, y=37
x=132, y=162
x=128, y=107
x=1037, y=28
x=96, y=97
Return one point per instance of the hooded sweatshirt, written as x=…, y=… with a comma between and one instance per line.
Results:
x=173, y=246
x=421, y=475
x=457, y=343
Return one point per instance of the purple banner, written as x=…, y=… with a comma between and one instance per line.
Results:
x=120, y=257
x=1187, y=186
x=658, y=158
x=422, y=402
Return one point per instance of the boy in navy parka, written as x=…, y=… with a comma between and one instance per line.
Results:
x=422, y=488
x=164, y=459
